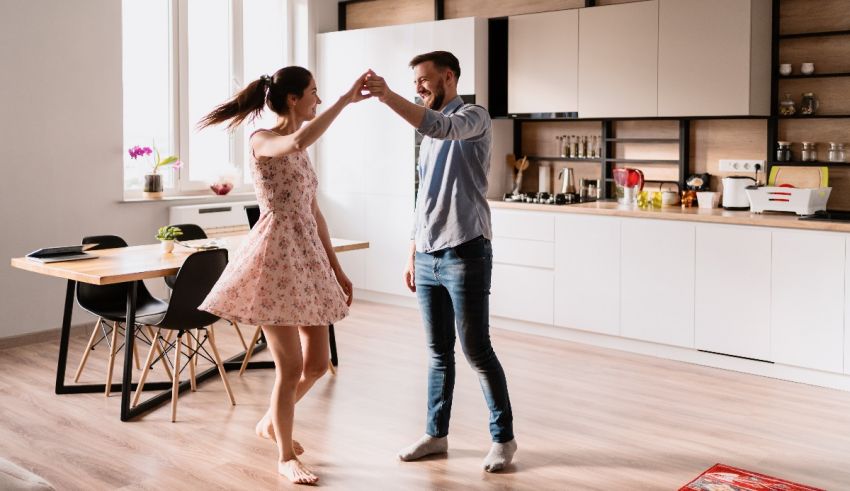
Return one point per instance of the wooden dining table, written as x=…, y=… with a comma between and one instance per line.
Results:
x=127, y=265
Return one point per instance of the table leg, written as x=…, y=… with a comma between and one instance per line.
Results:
x=129, y=338
x=64, y=337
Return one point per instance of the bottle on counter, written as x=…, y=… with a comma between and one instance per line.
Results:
x=582, y=146
x=573, y=147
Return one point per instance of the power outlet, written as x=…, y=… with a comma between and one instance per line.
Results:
x=736, y=165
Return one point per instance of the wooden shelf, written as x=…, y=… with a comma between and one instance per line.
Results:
x=642, y=140
x=813, y=34
x=815, y=75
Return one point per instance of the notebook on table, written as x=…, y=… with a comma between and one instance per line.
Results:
x=63, y=253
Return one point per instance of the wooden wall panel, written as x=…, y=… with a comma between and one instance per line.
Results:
x=715, y=139
x=377, y=13
x=830, y=54
x=833, y=93
x=502, y=8
x=810, y=16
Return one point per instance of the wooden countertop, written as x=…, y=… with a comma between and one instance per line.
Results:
x=712, y=215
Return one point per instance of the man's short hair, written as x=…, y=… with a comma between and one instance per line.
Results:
x=441, y=59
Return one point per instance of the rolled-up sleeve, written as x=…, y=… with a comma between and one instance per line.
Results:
x=469, y=123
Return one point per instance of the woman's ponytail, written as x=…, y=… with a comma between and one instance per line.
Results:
x=247, y=104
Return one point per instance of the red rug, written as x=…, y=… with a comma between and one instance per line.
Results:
x=725, y=478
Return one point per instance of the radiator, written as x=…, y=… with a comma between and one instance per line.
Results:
x=216, y=219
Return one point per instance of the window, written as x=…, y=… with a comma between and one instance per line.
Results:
x=181, y=59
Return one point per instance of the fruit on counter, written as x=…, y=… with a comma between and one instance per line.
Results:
x=786, y=185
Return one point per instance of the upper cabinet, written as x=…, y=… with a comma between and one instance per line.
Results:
x=618, y=61
x=714, y=57
x=466, y=38
x=543, y=62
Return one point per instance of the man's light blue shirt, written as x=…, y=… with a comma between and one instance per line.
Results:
x=454, y=160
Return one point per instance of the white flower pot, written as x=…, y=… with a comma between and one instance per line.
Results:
x=167, y=246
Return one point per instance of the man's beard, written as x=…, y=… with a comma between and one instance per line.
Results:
x=439, y=94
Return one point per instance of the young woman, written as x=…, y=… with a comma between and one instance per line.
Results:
x=286, y=277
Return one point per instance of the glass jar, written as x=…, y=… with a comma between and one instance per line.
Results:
x=783, y=152
x=836, y=152
x=787, y=107
x=809, y=104
x=809, y=153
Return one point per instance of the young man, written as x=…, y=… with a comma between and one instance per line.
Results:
x=450, y=255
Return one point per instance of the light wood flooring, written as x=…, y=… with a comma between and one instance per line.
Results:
x=586, y=418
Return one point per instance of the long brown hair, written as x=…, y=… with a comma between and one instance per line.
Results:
x=266, y=91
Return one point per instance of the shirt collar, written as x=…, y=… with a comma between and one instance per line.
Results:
x=452, y=105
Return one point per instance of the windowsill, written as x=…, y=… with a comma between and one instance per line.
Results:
x=193, y=197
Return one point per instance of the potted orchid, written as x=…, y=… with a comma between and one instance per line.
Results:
x=153, y=181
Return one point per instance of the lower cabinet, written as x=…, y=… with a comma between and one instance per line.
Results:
x=521, y=292
x=733, y=290
x=657, y=281
x=807, y=311
x=587, y=273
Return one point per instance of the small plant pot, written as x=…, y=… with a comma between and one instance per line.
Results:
x=221, y=188
x=153, y=186
x=167, y=246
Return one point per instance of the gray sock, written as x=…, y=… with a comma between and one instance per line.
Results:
x=427, y=445
x=500, y=456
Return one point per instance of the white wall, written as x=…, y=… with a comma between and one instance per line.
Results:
x=60, y=147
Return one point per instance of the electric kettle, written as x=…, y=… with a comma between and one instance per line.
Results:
x=735, y=192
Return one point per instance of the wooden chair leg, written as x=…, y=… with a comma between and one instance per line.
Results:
x=147, y=368
x=190, y=344
x=331, y=367
x=241, y=337
x=250, y=350
x=112, y=350
x=88, y=350
x=221, y=370
x=175, y=381
x=159, y=351
x=136, y=353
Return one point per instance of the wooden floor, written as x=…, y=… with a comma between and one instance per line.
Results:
x=586, y=418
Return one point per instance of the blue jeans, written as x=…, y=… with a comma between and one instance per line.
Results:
x=453, y=287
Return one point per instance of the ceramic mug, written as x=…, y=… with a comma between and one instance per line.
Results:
x=807, y=68
x=785, y=69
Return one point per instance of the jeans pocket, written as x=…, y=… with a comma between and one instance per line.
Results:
x=475, y=249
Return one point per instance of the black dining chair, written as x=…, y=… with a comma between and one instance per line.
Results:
x=109, y=304
x=195, y=232
x=194, y=281
x=190, y=232
x=253, y=213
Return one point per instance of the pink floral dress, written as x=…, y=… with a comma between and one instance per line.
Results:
x=281, y=275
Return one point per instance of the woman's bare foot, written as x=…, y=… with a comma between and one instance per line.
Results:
x=296, y=472
x=265, y=429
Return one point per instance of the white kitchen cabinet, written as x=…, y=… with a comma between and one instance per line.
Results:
x=523, y=293
x=388, y=226
x=714, y=57
x=587, y=273
x=657, y=281
x=732, y=313
x=466, y=38
x=618, y=60
x=543, y=62
x=807, y=311
x=519, y=224
x=345, y=214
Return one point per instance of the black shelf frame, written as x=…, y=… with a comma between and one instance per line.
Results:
x=797, y=163
x=815, y=75
x=643, y=140
x=775, y=119
x=816, y=34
